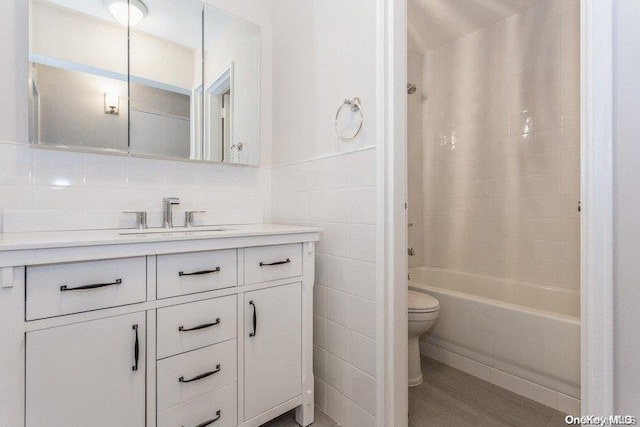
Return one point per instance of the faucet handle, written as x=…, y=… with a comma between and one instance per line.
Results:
x=189, y=217
x=172, y=200
x=141, y=218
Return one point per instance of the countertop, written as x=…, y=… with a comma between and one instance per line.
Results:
x=64, y=239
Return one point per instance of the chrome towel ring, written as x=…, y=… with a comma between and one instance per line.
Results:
x=354, y=106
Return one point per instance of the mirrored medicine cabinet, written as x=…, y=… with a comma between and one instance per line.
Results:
x=158, y=78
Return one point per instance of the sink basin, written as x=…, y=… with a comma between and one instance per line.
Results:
x=191, y=230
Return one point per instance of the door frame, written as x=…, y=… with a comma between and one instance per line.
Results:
x=596, y=229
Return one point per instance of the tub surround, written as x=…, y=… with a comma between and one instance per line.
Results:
x=84, y=291
x=500, y=146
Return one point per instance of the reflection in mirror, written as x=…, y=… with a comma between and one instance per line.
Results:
x=232, y=88
x=166, y=80
x=78, y=75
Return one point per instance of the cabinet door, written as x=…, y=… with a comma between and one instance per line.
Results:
x=85, y=374
x=273, y=348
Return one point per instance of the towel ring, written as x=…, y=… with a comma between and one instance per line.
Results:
x=354, y=106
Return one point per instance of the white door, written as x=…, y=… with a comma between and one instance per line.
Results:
x=273, y=347
x=85, y=374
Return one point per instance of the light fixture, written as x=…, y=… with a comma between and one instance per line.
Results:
x=126, y=12
x=111, y=103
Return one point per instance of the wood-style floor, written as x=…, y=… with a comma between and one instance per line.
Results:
x=451, y=398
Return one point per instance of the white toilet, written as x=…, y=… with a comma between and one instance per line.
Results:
x=423, y=313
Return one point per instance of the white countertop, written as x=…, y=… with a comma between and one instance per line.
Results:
x=63, y=239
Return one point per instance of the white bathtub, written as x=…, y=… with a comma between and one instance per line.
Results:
x=529, y=332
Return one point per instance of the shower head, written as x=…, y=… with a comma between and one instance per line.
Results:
x=411, y=88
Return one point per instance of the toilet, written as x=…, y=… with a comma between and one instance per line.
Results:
x=423, y=313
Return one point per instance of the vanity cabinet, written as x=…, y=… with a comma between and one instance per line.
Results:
x=197, y=331
x=272, y=347
x=87, y=374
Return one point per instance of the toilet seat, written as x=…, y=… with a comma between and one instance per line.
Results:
x=419, y=302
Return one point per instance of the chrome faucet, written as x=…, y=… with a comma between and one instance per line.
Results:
x=167, y=204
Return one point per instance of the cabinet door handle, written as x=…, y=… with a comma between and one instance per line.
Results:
x=206, y=423
x=203, y=326
x=201, y=376
x=136, y=349
x=255, y=319
x=65, y=288
x=264, y=264
x=199, y=273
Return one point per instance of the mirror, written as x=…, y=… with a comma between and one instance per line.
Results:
x=232, y=88
x=78, y=76
x=156, y=78
x=166, y=79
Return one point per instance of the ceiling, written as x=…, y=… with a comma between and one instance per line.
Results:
x=178, y=21
x=434, y=23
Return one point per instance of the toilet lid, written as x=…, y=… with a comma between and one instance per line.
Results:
x=420, y=302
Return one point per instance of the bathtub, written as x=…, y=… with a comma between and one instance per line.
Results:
x=527, y=335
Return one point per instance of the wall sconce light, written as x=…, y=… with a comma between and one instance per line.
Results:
x=111, y=103
x=127, y=12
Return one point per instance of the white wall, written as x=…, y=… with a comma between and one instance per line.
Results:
x=324, y=52
x=46, y=190
x=501, y=149
x=626, y=206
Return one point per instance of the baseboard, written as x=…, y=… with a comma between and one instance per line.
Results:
x=546, y=396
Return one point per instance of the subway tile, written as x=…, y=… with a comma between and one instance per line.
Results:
x=362, y=279
x=338, y=406
x=362, y=205
x=363, y=353
x=338, y=275
x=363, y=390
x=358, y=417
x=362, y=315
x=362, y=242
x=338, y=340
x=339, y=375
x=320, y=331
x=320, y=394
x=338, y=307
x=320, y=300
x=320, y=362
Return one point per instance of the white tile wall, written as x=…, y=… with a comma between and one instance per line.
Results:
x=500, y=148
x=339, y=194
x=44, y=190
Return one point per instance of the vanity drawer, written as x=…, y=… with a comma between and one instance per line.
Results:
x=189, y=375
x=194, y=325
x=219, y=405
x=189, y=273
x=265, y=263
x=57, y=289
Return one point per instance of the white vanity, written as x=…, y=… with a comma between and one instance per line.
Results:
x=187, y=328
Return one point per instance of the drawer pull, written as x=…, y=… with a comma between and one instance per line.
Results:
x=65, y=288
x=206, y=423
x=136, y=350
x=264, y=264
x=203, y=326
x=255, y=319
x=201, y=376
x=199, y=273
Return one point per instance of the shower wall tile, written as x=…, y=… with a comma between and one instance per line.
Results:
x=499, y=179
x=338, y=194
